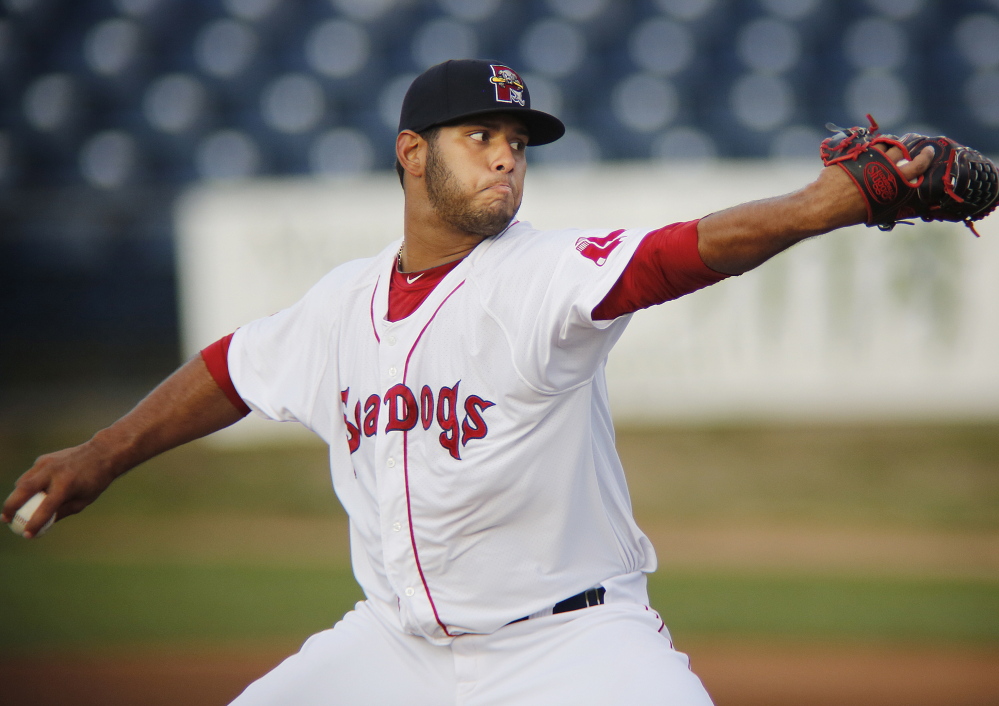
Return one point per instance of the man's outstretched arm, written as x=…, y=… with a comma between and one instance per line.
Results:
x=738, y=239
x=186, y=406
x=684, y=257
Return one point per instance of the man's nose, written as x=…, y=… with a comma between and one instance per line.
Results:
x=504, y=160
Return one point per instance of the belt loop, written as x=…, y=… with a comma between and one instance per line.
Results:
x=595, y=596
x=586, y=599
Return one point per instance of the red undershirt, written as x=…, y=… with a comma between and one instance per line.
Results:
x=665, y=266
x=408, y=289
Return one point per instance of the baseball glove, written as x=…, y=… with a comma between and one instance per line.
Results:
x=959, y=185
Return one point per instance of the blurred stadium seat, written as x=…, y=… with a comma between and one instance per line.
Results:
x=113, y=105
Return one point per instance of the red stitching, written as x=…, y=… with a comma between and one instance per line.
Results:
x=867, y=203
x=948, y=187
x=662, y=623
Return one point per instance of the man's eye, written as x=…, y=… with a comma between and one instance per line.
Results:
x=479, y=136
x=518, y=145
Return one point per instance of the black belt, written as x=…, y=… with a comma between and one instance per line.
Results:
x=594, y=596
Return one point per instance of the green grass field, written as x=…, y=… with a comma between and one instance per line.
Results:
x=65, y=603
x=206, y=545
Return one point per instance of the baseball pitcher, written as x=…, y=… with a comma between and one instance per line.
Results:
x=458, y=378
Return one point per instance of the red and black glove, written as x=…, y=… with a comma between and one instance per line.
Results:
x=960, y=184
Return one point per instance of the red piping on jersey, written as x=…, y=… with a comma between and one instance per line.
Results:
x=374, y=329
x=405, y=468
x=405, y=370
x=662, y=623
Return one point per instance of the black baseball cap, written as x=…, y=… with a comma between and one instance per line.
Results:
x=462, y=88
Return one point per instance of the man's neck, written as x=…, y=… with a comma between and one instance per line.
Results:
x=429, y=242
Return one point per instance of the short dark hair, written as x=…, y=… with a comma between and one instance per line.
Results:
x=430, y=134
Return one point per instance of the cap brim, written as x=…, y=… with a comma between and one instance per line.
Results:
x=542, y=128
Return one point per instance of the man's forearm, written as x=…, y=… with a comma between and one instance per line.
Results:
x=738, y=239
x=186, y=406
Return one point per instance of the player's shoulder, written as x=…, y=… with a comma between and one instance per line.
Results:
x=527, y=246
x=523, y=234
x=351, y=275
x=522, y=237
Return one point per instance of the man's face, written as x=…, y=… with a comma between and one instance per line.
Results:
x=475, y=173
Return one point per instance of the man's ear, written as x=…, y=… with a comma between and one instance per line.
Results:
x=410, y=150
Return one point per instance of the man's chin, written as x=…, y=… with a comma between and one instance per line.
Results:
x=483, y=223
x=488, y=230
x=490, y=224
x=500, y=226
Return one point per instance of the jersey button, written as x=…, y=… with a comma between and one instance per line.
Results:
x=410, y=591
x=390, y=340
x=397, y=526
x=392, y=372
x=390, y=463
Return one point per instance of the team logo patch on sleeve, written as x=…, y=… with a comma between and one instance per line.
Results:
x=509, y=86
x=598, y=249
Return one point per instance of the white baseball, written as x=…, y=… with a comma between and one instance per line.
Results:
x=24, y=515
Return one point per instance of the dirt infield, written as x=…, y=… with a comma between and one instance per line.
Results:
x=735, y=674
x=739, y=675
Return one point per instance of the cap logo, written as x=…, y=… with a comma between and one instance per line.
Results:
x=509, y=86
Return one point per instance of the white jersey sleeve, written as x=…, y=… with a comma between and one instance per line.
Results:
x=279, y=364
x=543, y=292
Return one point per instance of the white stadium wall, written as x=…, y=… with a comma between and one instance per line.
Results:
x=856, y=325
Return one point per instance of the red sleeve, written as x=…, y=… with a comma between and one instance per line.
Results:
x=665, y=266
x=216, y=357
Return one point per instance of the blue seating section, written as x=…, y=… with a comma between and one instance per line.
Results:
x=123, y=92
x=109, y=108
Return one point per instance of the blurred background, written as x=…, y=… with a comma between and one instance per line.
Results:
x=109, y=108
x=846, y=560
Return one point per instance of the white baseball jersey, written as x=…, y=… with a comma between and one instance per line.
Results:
x=471, y=443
